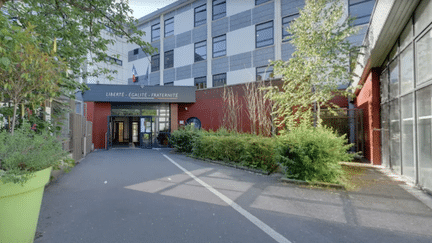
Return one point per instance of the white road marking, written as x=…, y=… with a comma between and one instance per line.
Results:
x=264, y=227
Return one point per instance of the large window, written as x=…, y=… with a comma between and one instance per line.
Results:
x=394, y=79
x=395, y=136
x=407, y=69
x=155, y=63
x=169, y=27
x=169, y=59
x=200, y=15
x=114, y=60
x=361, y=10
x=155, y=32
x=219, y=46
x=201, y=82
x=264, y=73
x=219, y=80
x=285, y=24
x=200, y=51
x=423, y=60
x=407, y=113
x=219, y=9
x=264, y=34
x=424, y=133
x=258, y=2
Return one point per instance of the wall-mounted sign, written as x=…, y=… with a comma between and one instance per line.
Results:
x=134, y=93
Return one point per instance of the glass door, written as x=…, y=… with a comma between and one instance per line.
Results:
x=146, y=132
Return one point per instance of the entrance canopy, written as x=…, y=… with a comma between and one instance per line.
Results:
x=135, y=93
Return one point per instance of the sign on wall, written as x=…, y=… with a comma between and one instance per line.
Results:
x=134, y=93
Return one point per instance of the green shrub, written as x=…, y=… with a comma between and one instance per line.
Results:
x=184, y=138
x=243, y=149
x=27, y=152
x=313, y=154
x=260, y=153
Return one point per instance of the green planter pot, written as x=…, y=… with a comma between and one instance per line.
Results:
x=20, y=206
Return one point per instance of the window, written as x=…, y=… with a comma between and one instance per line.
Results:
x=114, y=60
x=169, y=59
x=155, y=63
x=361, y=10
x=219, y=9
x=155, y=31
x=201, y=83
x=200, y=51
x=169, y=27
x=200, y=15
x=258, y=2
x=264, y=73
x=285, y=24
x=264, y=34
x=136, y=51
x=219, y=80
x=219, y=46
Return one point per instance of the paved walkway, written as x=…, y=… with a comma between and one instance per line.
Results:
x=134, y=195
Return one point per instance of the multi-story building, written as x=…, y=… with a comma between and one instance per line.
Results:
x=203, y=44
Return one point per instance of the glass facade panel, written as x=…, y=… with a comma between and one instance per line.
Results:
x=423, y=16
x=407, y=34
x=385, y=135
x=155, y=32
x=219, y=80
x=407, y=69
x=155, y=63
x=384, y=85
x=395, y=161
x=169, y=27
x=285, y=24
x=424, y=58
x=407, y=113
x=219, y=46
x=169, y=59
x=394, y=79
x=424, y=136
x=219, y=9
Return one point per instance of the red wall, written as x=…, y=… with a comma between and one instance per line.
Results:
x=208, y=107
x=368, y=99
x=97, y=113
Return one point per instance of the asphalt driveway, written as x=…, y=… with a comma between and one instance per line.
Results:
x=135, y=195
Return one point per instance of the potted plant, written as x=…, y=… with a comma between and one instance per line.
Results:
x=26, y=161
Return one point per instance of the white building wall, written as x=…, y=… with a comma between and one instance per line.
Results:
x=238, y=6
x=241, y=40
x=241, y=76
x=184, y=82
x=184, y=55
x=183, y=22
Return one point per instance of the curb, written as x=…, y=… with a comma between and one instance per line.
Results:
x=309, y=183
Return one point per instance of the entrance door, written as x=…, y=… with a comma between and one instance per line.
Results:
x=145, y=132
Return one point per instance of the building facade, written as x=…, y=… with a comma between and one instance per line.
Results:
x=202, y=44
x=397, y=88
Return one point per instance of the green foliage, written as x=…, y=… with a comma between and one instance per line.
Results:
x=313, y=154
x=26, y=152
x=183, y=139
x=80, y=28
x=243, y=149
x=319, y=64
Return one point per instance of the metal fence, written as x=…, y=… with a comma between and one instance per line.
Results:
x=349, y=122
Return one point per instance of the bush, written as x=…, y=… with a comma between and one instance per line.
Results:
x=313, y=154
x=243, y=149
x=27, y=152
x=183, y=139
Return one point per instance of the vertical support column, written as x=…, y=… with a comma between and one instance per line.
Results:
x=161, y=50
x=174, y=117
x=278, y=29
x=375, y=106
x=209, y=44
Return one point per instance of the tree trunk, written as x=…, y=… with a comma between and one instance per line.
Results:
x=14, y=117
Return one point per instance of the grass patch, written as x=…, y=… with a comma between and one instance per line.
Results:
x=353, y=177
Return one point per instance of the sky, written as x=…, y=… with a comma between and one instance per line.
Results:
x=143, y=7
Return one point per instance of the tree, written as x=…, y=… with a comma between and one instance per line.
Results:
x=319, y=65
x=27, y=74
x=78, y=25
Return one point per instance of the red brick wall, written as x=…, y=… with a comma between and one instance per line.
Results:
x=368, y=99
x=208, y=107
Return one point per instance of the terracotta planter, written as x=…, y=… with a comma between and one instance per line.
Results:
x=20, y=206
